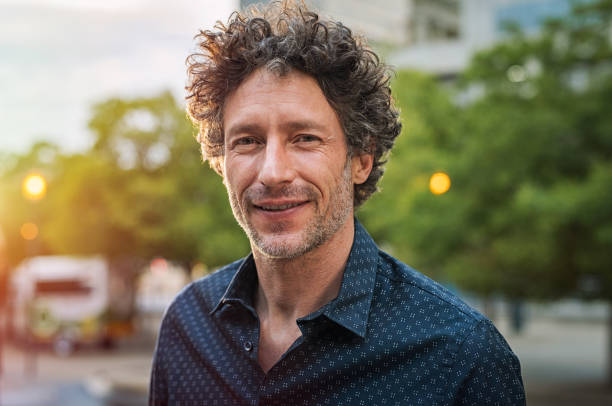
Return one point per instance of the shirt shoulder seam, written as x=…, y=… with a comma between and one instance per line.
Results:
x=434, y=294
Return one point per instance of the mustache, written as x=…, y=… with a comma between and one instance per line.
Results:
x=296, y=192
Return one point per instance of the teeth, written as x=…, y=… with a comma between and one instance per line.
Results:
x=280, y=207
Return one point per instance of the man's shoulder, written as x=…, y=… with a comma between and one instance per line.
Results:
x=426, y=294
x=437, y=313
x=481, y=365
x=206, y=292
x=414, y=309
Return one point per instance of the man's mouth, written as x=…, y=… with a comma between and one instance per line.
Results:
x=278, y=207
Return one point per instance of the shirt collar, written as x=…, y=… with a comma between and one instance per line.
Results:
x=352, y=306
x=241, y=288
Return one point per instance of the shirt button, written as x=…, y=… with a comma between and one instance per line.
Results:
x=248, y=346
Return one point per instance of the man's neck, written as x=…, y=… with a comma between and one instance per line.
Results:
x=292, y=288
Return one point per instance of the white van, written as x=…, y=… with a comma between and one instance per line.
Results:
x=62, y=300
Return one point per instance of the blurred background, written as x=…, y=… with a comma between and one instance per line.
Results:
x=500, y=186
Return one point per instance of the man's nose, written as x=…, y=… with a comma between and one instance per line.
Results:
x=277, y=166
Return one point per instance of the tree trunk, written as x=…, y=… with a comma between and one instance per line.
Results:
x=488, y=307
x=517, y=315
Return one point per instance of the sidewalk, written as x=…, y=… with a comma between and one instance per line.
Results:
x=563, y=363
x=89, y=377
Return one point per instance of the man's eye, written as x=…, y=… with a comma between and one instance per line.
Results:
x=245, y=141
x=307, y=138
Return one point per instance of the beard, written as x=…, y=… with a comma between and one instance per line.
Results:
x=320, y=227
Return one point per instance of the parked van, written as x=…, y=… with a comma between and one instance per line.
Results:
x=64, y=301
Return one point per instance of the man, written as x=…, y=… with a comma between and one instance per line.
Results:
x=296, y=116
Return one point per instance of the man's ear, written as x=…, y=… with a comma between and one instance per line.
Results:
x=361, y=166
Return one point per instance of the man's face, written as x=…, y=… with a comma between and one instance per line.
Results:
x=285, y=167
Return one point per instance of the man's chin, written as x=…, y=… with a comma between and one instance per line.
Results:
x=281, y=246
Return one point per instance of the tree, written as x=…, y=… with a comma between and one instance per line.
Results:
x=528, y=146
x=529, y=159
x=141, y=191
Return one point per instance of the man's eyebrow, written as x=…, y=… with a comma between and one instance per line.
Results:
x=244, y=129
x=293, y=126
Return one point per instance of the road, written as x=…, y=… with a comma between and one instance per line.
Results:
x=563, y=363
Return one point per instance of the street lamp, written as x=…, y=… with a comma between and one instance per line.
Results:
x=439, y=183
x=33, y=188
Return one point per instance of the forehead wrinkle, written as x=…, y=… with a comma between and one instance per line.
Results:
x=245, y=128
x=292, y=126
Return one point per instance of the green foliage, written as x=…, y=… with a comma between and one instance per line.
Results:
x=142, y=191
x=528, y=145
x=394, y=217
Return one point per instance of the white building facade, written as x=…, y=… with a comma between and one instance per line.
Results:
x=436, y=36
x=481, y=24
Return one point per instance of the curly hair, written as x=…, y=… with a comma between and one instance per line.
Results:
x=284, y=36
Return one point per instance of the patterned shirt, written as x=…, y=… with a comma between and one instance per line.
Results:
x=391, y=337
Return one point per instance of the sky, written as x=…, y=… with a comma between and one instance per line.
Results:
x=59, y=57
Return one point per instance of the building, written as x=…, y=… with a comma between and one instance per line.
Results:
x=481, y=24
x=395, y=23
x=436, y=36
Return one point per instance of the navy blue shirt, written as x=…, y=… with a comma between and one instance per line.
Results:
x=391, y=337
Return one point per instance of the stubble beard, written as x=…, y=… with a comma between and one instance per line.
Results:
x=317, y=231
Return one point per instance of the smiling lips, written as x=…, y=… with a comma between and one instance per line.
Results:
x=272, y=207
x=280, y=201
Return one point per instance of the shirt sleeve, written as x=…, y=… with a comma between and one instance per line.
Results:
x=486, y=371
x=158, y=386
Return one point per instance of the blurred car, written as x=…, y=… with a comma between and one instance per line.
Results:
x=66, y=301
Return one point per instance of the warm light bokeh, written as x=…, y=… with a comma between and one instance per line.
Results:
x=29, y=231
x=159, y=265
x=439, y=183
x=34, y=186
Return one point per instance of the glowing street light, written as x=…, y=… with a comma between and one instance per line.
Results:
x=34, y=186
x=439, y=183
